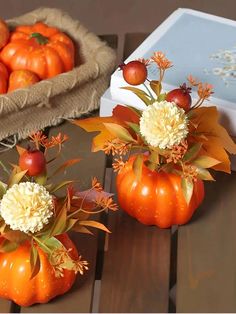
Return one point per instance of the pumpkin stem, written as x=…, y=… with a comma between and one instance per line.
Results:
x=42, y=40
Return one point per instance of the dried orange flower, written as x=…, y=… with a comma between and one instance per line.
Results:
x=116, y=146
x=205, y=90
x=177, y=152
x=193, y=81
x=105, y=202
x=56, y=140
x=160, y=59
x=190, y=172
x=118, y=164
x=96, y=185
x=144, y=61
x=60, y=260
x=38, y=138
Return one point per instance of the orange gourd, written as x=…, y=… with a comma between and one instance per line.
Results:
x=15, y=272
x=39, y=48
x=4, y=34
x=157, y=198
x=21, y=79
x=3, y=78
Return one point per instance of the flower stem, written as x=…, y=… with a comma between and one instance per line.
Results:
x=150, y=94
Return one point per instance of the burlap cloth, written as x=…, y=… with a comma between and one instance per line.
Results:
x=67, y=95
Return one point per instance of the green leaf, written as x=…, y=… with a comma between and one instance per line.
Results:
x=119, y=131
x=2, y=225
x=138, y=166
x=187, y=187
x=48, y=245
x=3, y=189
x=34, y=261
x=162, y=97
x=15, y=178
x=205, y=162
x=41, y=179
x=81, y=229
x=192, y=152
x=58, y=186
x=153, y=160
x=140, y=93
x=156, y=87
x=70, y=224
x=59, y=224
x=15, y=235
x=204, y=174
x=135, y=127
x=8, y=246
x=94, y=224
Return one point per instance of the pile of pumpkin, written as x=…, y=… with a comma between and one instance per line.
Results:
x=31, y=53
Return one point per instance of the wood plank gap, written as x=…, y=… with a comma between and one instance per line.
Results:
x=173, y=270
x=15, y=308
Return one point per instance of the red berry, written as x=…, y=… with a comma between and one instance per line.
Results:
x=33, y=161
x=181, y=97
x=134, y=72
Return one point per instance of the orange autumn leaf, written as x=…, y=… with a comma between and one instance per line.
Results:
x=214, y=138
x=97, y=124
x=125, y=114
x=120, y=115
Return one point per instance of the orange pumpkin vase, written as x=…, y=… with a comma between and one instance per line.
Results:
x=21, y=79
x=39, y=48
x=157, y=198
x=15, y=273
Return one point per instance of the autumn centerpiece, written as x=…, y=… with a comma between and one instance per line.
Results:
x=174, y=143
x=38, y=260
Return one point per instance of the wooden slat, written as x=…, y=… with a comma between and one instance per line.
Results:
x=206, y=277
x=132, y=41
x=79, y=299
x=112, y=40
x=136, y=267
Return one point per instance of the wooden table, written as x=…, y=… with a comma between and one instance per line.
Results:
x=145, y=269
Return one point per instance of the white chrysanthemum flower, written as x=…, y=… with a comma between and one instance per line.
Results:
x=163, y=124
x=27, y=207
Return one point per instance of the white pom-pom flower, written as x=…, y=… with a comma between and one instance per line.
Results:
x=27, y=207
x=163, y=124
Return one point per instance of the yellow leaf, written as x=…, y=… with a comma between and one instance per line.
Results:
x=20, y=149
x=119, y=131
x=214, y=138
x=97, y=124
x=94, y=224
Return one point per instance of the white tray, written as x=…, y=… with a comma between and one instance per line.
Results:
x=190, y=39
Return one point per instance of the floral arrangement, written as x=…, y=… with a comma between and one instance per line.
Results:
x=34, y=218
x=171, y=135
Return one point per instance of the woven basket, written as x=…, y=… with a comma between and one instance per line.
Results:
x=67, y=95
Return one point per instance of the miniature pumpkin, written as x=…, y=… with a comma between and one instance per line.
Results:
x=15, y=273
x=21, y=79
x=4, y=33
x=157, y=198
x=3, y=78
x=39, y=48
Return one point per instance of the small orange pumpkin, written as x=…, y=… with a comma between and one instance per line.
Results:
x=157, y=198
x=39, y=48
x=3, y=78
x=15, y=272
x=4, y=34
x=21, y=79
